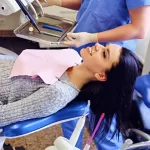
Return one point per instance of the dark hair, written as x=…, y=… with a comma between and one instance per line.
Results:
x=114, y=96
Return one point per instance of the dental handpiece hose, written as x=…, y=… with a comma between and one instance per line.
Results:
x=74, y=137
x=126, y=144
x=79, y=126
x=26, y=12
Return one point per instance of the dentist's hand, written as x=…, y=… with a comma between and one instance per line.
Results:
x=46, y=3
x=79, y=39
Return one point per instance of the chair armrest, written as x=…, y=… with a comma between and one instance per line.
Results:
x=139, y=146
x=73, y=110
x=142, y=86
x=140, y=133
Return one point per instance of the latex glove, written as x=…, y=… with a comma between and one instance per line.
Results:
x=46, y=3
x=79, y=39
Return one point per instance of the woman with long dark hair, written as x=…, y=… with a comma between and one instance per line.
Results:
x=114, y=96
x=106, y=77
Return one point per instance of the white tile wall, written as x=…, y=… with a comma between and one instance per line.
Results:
x=142, y=47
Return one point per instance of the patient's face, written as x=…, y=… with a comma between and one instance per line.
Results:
x=99, y=58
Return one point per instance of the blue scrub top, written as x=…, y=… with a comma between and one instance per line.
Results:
x=101, y=15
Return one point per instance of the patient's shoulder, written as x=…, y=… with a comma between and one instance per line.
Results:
x=66, y=87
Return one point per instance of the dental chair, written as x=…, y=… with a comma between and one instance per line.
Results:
x=72, y=111
x=140, y=138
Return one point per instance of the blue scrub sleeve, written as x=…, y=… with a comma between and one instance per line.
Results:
x=82, y=1
x=131, y=4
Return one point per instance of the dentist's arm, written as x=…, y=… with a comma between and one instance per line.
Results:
x=72, y=4
x=137, y=29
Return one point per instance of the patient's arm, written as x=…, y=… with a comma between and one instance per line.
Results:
x=43, y=102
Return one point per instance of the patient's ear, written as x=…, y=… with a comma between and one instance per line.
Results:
x=101, y=76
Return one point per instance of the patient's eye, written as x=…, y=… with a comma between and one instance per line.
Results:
x=104, y=54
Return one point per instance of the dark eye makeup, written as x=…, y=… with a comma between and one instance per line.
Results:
x=104, y=54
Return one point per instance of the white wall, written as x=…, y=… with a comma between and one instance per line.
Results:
x=142, y=47
x=143, y=53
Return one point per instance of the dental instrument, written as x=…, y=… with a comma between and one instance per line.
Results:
x=31, y=29
x=32, y=8
x=40, y=6
x=50, y=34
x=26, y=12
x=126, y=144
x=25, y=29
x=87, y=146
x=52, y=28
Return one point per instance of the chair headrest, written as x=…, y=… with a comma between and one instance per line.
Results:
x=142, y=86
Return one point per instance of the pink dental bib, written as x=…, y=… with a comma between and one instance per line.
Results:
x=48, y=64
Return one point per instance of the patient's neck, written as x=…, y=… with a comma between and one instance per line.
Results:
x=79, y=75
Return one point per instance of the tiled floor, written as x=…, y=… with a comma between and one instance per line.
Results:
x=44, y=138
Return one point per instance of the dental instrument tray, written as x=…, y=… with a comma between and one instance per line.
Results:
x=53, y=30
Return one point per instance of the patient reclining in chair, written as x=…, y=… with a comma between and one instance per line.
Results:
x=106, y=76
